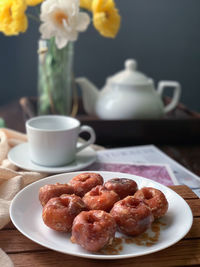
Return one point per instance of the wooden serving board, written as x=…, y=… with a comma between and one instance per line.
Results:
x=25, y=253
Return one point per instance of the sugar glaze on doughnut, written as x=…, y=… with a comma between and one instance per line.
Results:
x=93, y=229
x=132, y=216
x=155, y=199
x=100, y=198
x=59, y=212
x=49, y=191
x=84, y=182
x=122, y=186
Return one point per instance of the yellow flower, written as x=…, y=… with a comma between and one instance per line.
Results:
x=87, y=4
x=33, y=2
x=12, y=17
x=106, y=18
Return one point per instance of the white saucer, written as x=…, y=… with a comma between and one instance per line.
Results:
x=19, y=155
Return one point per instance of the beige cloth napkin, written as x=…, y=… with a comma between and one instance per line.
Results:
x=5, y=261
x=12, y=180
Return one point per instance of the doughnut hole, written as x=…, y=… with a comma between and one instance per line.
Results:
x=100, y=198
x=84, y=182
x=155, y=199
x=49, y=191
x=132, y=216
x=122, y=186
x=59, y=212
x=93, y=229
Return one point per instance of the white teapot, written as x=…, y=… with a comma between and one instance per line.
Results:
x=128, y=94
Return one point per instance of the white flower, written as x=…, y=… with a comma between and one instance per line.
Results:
x=61, y=19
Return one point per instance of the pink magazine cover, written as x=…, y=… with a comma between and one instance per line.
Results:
x=156, y=172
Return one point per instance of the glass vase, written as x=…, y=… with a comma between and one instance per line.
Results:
x=55, y=78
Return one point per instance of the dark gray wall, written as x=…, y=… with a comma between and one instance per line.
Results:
x=162, y=35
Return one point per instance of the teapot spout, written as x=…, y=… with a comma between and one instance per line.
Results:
x=90, y=95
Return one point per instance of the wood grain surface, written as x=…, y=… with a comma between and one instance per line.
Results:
x=186, y=252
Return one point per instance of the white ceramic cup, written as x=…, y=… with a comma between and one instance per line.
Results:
x=53, y=139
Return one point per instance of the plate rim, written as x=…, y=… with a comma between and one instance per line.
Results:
x=102, y=256
x=52, y=170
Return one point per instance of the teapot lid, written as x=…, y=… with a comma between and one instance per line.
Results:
x=130, y=75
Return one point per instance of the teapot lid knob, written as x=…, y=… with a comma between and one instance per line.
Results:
x=131, y=64
x=129, y=76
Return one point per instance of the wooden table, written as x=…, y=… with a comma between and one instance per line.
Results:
x=186, y=252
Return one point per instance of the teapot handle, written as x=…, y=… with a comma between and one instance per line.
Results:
x=176, y=93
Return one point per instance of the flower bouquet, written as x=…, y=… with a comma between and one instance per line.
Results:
x=60, y=23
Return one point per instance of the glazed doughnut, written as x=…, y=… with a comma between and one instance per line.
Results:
x=122, y=186
x=155, y=199
x=93, y=229
x=49, y=191
x=84, y=182
x=59, y=212
x=132, y=216
x=100, y=198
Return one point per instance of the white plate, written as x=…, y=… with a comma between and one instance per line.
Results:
x=26, y=215
x=19, y=155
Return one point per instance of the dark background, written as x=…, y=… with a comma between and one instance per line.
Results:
x=162, y=35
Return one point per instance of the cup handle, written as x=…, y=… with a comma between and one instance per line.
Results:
x=85, y=128
x=176, y=93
